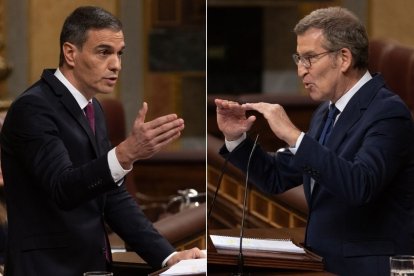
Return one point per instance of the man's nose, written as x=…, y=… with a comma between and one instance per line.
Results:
x=115, y=63
x=302, y=70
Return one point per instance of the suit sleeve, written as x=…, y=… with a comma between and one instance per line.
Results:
x=270, y=172
x=34, y=143
x=130, y=223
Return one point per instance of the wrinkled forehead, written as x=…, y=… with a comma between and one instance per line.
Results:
x=311, y=40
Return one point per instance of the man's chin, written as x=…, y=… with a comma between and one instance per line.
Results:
x=107, y=90
x=314, y=95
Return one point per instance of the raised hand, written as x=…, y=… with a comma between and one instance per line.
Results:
x=278, y=121
x=147, y=138
x=232, y=120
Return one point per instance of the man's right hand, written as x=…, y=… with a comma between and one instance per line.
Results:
x=147, y=138
x=232, y=120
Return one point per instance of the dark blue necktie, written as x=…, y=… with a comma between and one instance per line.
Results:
x=326, y=132
x=327, y=129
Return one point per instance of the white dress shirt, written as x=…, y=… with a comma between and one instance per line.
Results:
x=115, y=167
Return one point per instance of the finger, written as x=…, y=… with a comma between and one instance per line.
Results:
x=168, y=135
x=198, y=254
x=231, y=104
x=251, y=119
x=218, y=102
x=163, y=141
x=250, y=106
x=142, y=112
x=163, y=120
x=249, y=122
x=176, y=125
x=226, y=104
x=221, y=104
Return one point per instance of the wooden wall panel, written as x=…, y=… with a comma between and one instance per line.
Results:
x=392, y=20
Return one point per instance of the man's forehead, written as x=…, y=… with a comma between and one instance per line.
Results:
x=311, y=39
x=312, y=34
x=105, y=36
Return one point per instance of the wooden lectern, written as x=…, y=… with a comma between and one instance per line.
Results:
x=223, y=262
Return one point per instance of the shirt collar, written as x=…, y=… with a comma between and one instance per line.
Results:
x=80, y=99
x=343, y=101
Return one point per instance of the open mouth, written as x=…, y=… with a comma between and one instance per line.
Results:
x=307, y=84
x=111, y=79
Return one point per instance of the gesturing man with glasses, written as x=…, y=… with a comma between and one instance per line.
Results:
x=357, y=159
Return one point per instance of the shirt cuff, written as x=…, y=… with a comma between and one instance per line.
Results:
x=116, y=169
x=231, y=145
x=297, y=144
x=164, y=263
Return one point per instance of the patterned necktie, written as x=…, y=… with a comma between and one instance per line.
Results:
x=327, y=129
x=90, y=115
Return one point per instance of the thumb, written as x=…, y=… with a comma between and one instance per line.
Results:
x=142, y=112
x=250, y=121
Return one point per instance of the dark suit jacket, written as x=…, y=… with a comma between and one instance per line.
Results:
x=60, y=191
x=361, y=210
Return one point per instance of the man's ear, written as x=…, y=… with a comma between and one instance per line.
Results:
x=346, y=59
x=69, y=53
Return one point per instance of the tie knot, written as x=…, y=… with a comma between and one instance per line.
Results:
x=326, y=131
x=333, y=111
x=89, y=108
x=90, y=115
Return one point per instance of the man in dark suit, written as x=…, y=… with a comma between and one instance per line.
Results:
x=356, y=164
x=63, y=179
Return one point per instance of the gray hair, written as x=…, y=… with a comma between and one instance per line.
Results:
x=341, y=29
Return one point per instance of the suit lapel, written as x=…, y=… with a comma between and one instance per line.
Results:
x=318, y=121
x=354, y=111
x=315, y=130
x=69, y=102
x=101, y=131
x=72, y=106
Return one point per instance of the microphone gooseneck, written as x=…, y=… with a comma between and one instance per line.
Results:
x=223, y=170
x=241, y=258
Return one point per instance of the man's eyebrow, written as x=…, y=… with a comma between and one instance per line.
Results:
x=108, y=47
x=104, y=46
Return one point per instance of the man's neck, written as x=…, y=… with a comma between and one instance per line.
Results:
x=351, y=78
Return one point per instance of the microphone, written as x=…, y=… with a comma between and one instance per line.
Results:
x=223, y=170
x=240, y=263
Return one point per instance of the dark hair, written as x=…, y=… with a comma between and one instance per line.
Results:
x=81, y=20
x=341, y=29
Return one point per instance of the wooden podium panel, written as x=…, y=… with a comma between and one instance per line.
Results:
x=269, y=263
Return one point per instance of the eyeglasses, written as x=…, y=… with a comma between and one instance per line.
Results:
x=307, y=59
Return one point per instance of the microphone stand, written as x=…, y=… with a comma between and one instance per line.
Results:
x=240, y=262
x=223, y=170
